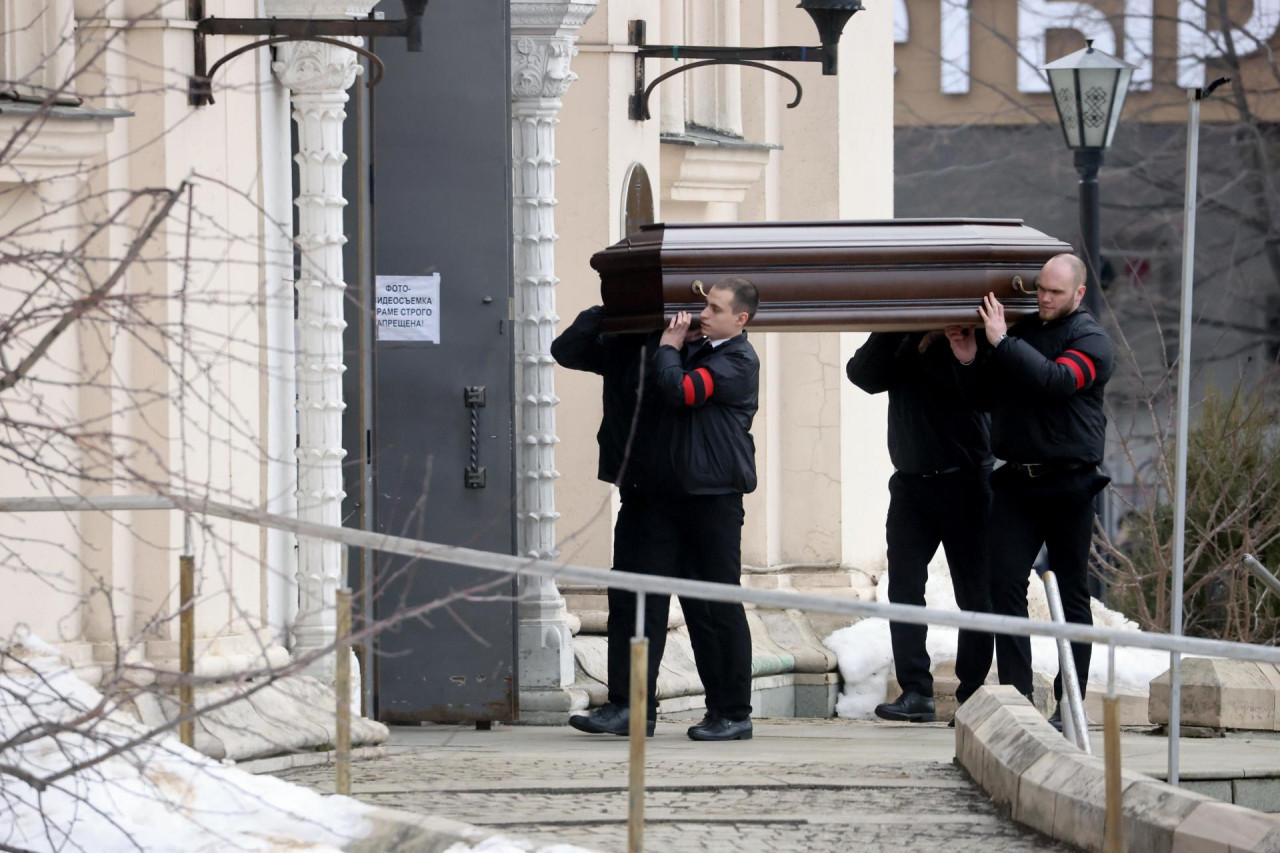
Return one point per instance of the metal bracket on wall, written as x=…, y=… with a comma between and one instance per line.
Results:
x=473, y=399
x=829, y=15
x=280, y=30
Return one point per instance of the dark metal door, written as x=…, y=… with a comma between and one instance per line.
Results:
x=443, y=412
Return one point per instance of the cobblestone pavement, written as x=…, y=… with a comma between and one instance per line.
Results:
x=812, y=786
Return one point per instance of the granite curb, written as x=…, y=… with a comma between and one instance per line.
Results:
x=1047, y=784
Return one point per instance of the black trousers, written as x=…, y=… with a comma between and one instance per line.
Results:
x=697, y=537
x=951, y=510
x=1055, y=510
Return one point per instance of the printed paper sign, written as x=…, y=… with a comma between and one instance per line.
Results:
x=407, y=307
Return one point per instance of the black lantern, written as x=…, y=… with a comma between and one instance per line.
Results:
x=830, y=16
x=1089, y=88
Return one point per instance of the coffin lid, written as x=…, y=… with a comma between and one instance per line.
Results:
x=832, y=275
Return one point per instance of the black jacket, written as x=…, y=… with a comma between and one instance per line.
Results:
x=711, y=396
x=618, y=359
x=931, y=426
x=1044, y=385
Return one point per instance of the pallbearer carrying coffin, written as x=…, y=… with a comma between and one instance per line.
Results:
x=1043, y=380
x=938, y=494
x=682, y=457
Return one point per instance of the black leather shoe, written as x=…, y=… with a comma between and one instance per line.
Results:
x=608, y=719
x=1055, y=719
x=707, y=719
x=722, y=729
x=909, y=708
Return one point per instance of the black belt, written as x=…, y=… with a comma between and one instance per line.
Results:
x=1046, y=469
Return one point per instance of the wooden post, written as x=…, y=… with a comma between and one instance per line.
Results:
x=639, y=720
x=1111, y=734
x=187, y=646
x=342, y=689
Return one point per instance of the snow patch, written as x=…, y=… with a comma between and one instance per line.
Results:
x=153, y=794
x=865, y=653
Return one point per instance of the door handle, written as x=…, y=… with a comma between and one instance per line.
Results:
x=473, y=399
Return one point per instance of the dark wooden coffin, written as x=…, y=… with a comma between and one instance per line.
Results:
x=899, y=274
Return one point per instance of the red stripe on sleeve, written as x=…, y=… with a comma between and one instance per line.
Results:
x=706, y=381
x=688, y=390
x=1088, y=362
x=1075, y=368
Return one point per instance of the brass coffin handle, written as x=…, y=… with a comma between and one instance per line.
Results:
x=697, y=288
x=1019, y=286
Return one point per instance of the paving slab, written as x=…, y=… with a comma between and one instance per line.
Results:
x=799, y=785
x=809, y=785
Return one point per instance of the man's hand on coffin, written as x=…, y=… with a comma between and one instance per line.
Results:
x=992, y=314
x=964, y=345
x=674, y=335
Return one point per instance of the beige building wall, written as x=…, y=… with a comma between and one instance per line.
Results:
x=820, y=455
x=173, y=396
x=866, y=192
x=185, y=398
x=43, y=582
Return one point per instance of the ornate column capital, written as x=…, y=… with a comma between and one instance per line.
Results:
x=549, y=17
x=310, y=67
x=542, y=45
x=314, y=68
x=540, y=66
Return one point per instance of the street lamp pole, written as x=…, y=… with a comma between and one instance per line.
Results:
x=1089, y=89
x=1088, y=160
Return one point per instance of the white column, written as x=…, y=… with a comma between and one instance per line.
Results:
x=281, y=605
x=542, y=44
x=317, y=76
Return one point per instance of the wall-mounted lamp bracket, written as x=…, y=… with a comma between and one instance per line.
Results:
x=644, y=97
x=638, y=107
x=280, y=30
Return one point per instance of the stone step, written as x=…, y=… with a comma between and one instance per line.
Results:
x=1222, y=694
x=782, y=644
x=579, y=600
x=591, y=608
x=837, y=583
x=812, y=580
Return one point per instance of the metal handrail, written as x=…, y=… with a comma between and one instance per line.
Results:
x=705, y=590
x=1074, y=722
x=1261, y=573
x=1074, y=725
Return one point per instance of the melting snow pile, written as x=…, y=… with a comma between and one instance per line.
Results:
x=866, y=656
x=124, y=790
